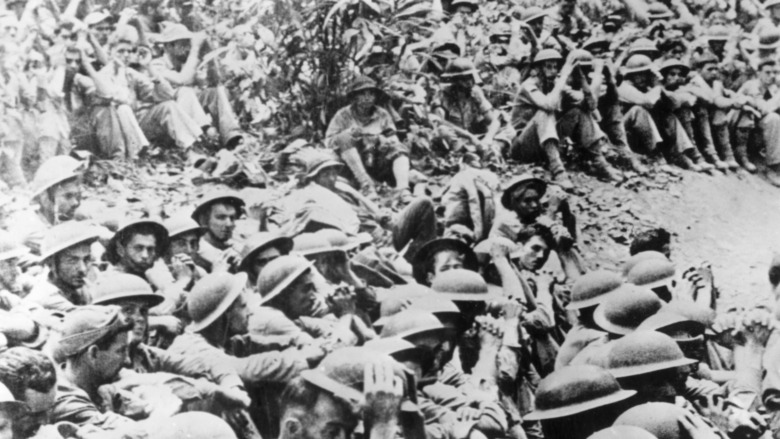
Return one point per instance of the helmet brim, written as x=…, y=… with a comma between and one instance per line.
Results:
x=238, y=283
x=622, y=372
x=573, y=409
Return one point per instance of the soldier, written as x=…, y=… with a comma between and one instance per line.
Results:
x=364, y=136
x=542, y=126
x=259, y=250
x=67, y=251
x=440, y=255
x=217, y=213
x=31, y=377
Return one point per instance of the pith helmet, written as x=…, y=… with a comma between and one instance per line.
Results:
x=660, y=419
x=593, y=288
x=211, y=297
x=114, y=287
x=430, y=248
x=644, y=352
x=261, y=241
x=622, y=432
x=54, y=171
x=461, y=285
x=622, y=313
x=66, y=235
x=522, y=181
x=651, y=273
x=575, y=389
x=280, y=274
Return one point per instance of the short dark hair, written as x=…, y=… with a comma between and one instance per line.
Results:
x=24, y=368
x=142, y=229
x=650, y=240
x=529, y=231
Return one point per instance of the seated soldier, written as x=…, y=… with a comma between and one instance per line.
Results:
x=763, y=124
x=440, y=255
x=209, y=107
x=649, y=118
x=465, y=114
x=151, y=98
x=542, y=124
x=67, y=251
x=217, y=214
x=260, y=249
x=675, y=76
x=715, y=102
x=322, y=402
x=363, y=134
x=182, y=258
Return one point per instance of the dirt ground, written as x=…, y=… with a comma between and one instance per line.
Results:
x=729, y=220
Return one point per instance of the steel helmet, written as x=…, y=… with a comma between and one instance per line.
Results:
x=501, y=29
x=54, y=171
x=261, y=241
x=651, y=273
x=395, y=347
x=430, y=248
x=637, y=64
x=132, y=226
x=280, y=274
x=342, y=372
x=547, y=55
x=310, y=244
x=9, y=247
x=660, y=419
x=668, y=322
x=412, y=322
x=642, y=46
x=593, y=288
x=596, y=42
x=639, y=257
x=575, y=389
x=193, y=425
x=212, y=296
x=461, y=285
x=114, y=287
x=719, y=32
x=769, y=39
x=341, y=241
x=643, y=352
x=180, y=224
x=66, y=235
x=672, y=63
x=321, y=162
x=622, y=313
x=622, y=432
x=522, y=181
x=224, y=197
x=474, y=4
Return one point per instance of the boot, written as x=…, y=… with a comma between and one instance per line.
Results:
x=699, y=165
x=724, y=144
x=603, y=169
x=559, y=175
x=711, y=156
x=352, y=158
x=740, y=150
x=773, y=174
x=627, y=156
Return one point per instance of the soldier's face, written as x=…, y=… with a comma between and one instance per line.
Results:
x=102, y=31
x=674, y=78
x=534, y=253
x=238, y=317
x=327, y=177
x=71, y=266
x=139, y=253
x=9, y=273
x=222, y=221
x=768, y=74
x=262, y=259
x=186, y=244
x=365, y=100
x=67, y=198
x=710, y=72
x=300, y=298
x=123, y=53
x=445, y=260
x=550, y=69
x=109, y=362
x=527, y=203
x=136, y=311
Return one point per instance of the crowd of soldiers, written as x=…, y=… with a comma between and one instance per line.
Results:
x=347, y=309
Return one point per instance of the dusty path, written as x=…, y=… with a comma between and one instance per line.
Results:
x=733, y=221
